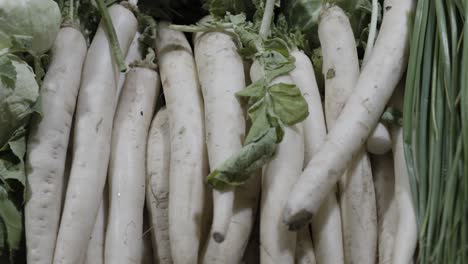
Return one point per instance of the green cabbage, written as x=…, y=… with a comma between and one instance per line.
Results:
x=39, y=19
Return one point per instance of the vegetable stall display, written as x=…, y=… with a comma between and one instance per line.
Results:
x=233, y=131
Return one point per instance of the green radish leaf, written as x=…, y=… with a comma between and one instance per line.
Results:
x=238, y=169
x=288, y=103
x=260, y=124
x=7, y=73
x=255, y=90
x=219, y=8
x=12, y=219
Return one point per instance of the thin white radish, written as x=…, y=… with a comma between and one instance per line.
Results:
x=304, y=248
x=406, y=237
x=221, y=74
x=47, y=145
x=361, y=113
x=92, y=136
x=277, y=244
x=387, y=214
x=157, y=189
x=133, y=55
x=127, y=167
x=379, y=142
x=357, y=196
x=245, y=210
x=188, y=165
x=326, y=226
x=95, y=252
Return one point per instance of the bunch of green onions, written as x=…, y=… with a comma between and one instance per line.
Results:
x=435, y=123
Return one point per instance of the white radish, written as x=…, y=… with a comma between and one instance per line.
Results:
x=127, y=167
x=47, y=145
x=387, y=214
x=157, y=189
x=188, y=165
x=406, y=237
x=277, y=244
x=92, y=136
x=95, y=251
x=360, y=114
x=245, y=210
x=326, y=226
x=133, y=55
x=221, y=75
x=357, y=197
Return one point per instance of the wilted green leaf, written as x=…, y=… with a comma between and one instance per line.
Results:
x=288, y=103
x=237, y=169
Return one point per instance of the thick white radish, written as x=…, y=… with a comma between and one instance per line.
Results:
x=357, y=197
x=133, y=55
x=360, y=114
x=232, y=249
x=277, y=244
x=221, y=74
x=95, y=251
x=47, y=145
x=379, y=142
x=387, y=214
x=157, y=188
x=304, y=248
x=92, y=138
x=406, y=237
x=326, y=225
x=127, y=167
x=188, y=165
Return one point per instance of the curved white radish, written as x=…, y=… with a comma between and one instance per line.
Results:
x=362, y=111
x=277, y=244
x=387, y=213
x=95, y=251
x=406, y=237
x=188, y=165
x=357, y=196
x=92, y=136
x=157, y=189
x=127, y=167
x=233, y=248
x=47, y=145
x=221, y=74
x=379, y=142
x=326, y=225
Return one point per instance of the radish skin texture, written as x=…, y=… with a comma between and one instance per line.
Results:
x=48, y=142
x=387, y=213
x=357, y=197
x=188, y=165
x=95, y=252
x=221, y=75
x=133, y=55
x=326, y=225
x=379, y=142
x=92, y=139
x=127, y=167
x=277, y=244
x=360, y=114
x=157, y=189
x=245, y=210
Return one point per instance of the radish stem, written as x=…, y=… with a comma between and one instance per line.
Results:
x=111, y=35
x=267, y=17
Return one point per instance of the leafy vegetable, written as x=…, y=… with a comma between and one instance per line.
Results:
x=219, y=8
x=39, y=19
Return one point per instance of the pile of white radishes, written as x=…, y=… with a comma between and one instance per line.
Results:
x=132, y=188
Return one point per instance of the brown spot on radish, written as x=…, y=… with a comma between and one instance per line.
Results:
x=387, y=8
x=141, y=113
x=330, y=74
x=98, y=125
x=301, y=219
